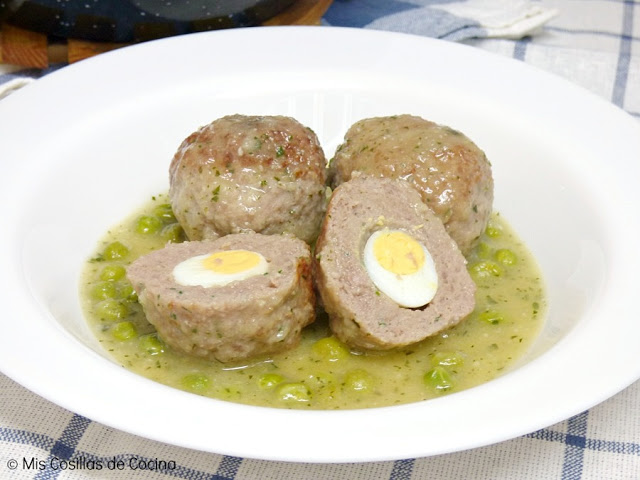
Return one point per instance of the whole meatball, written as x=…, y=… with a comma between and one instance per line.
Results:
x=239, y=174
x=451, y=173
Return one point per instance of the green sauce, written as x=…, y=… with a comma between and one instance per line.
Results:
x=321, y=373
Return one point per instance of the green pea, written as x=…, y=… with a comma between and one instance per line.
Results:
x=124, y=331
x=331, y=349
x=112, y=272
x=151, y=344
x=104, y=290
x=483, y=250
x=294, y=392
x=127, y=293
x=195, y=382
x=485, y=269
x=359, y=380
x=491, y=317
x=173, y=233
x=270, y=380
x=438, y=379
x=506, y=257
x=492, y=231
x=448, y=359
x=147, y=224
x=111, y=309
x=164, y=213
x=114, y=251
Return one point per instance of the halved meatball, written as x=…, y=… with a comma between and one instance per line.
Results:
x=262, y=314
x=359, y=313
x=450, y=172
x=241, y=173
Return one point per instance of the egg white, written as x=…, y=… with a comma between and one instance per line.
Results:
x=412, y=290
x=192, y=272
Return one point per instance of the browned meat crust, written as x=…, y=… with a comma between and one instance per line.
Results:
x=240, y=173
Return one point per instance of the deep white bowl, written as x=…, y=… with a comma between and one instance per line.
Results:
x=84, y=146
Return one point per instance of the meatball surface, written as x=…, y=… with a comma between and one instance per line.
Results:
x=450, y=172
x=239, y=174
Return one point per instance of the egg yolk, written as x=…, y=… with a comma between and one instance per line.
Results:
x=398, y=253
x=231, y=261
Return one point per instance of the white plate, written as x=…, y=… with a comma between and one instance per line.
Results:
x=83, y=146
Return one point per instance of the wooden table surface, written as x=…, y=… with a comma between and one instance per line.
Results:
x=33, y=49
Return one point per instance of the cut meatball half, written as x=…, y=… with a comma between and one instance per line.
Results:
x=367, y=305
x=232, y=298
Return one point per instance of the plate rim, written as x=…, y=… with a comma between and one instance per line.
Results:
x=48, y=389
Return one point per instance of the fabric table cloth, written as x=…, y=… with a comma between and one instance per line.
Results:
x=593, y=43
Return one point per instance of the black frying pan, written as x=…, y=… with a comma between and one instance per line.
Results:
x=135, y=20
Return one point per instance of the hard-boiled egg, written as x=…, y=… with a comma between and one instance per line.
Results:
x=401, y=268
x=219, y=268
